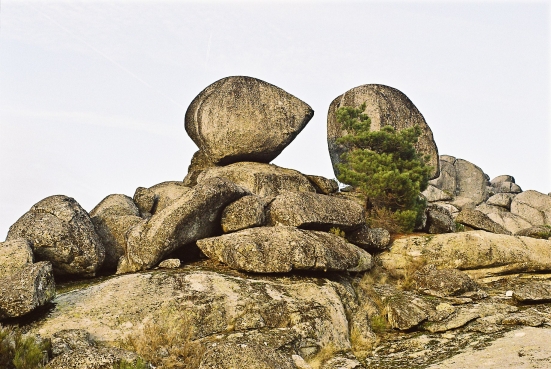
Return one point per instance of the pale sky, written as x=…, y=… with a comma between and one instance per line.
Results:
x=93, y=94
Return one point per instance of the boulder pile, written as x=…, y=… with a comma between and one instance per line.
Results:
x=263, y=266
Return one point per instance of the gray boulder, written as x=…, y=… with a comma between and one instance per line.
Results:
x=14, y=255
x=282, y=249
x=155, y=198
x=323, y=185
x=433, y=194
x=264, y=180
x=502, y=178
x=228, y=355
x=478, y=220
x=193, y=216
x=443, y=282
x=68, y=340
x=61, y=232
x=533, y=206
x=244, y=119
x=501, y=199
x=532, y=292
x=370, y=239
x=439, y=219
x=247, y=212
x=199, y=162
x=92, y=358
x=488, y=209
x=385, y=106
x=113, y=217
x=461, y=178
x=25, y=290
x=511, y=222
x=315, y=211
x=506, y=187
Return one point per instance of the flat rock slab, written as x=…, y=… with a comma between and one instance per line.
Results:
x=526, y=348
x=478, y=220
x=315, y=211
x=264, y=180
x=480, y=254
x=283, y=249
x=533, y=291
x=385, y=106
x=244, y=119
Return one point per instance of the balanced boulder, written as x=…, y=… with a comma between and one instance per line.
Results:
x=113, y=217
x=385, y=106
x=61, y=232
x=193, y=216
x=315, y=211
x=283, y=249
x=244, y=119
x=264, y=180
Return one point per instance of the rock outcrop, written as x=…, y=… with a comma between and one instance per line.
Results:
x=244, y=119
x=533, y=206
x=61, y=232
x=282, y=249
x=385, y=106
x=193, y=216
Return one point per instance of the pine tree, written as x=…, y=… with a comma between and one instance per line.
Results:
x=384, y=166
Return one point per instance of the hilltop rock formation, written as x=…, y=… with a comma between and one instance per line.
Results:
x=384, y=106
x=61, y=232
x=244, y=119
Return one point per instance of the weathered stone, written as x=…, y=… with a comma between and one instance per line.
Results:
x=170, y=263
x=433, y=194
x=479, y=254
x=443, y=282
x=385, y=106
x=323, y=185
x=501, y=199
x=404, y=310
x=533, y=206
x=14, y=255
x=452, y=209
x=228, y=355
x=543, y=232
x=533, y=291
x=341, y=362
x=92, y=358
x=247, y=212
x=447, y=180
x=244, y=119
x=193, y=216
x=370, y=239
x=506, y=187
x=264, y=180
x=463, y=203
x=61, y=232
x=25, y=290
x=529, y=317
x=310, y=310
x=199, y=162
x=478, y=220
x=502, y=178
x=489, y=209
x=115, y=205
x=315, y=211
x=467, y=314
x=167, y=193
x=113, y=217
x=68, y=340
x=282, y=249
x=439, y=219
x=511, y=222
x=145, y=200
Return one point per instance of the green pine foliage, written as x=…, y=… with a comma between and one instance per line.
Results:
x=22, y=352
x=385, y=167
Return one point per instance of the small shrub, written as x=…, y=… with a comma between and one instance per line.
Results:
x=22, y=352
x=379, y=323
x=408, y=282
x=167, y=343
x=337, y=231
x=459, y=227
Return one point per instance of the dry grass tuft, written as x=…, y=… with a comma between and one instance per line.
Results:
x=167, y=343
